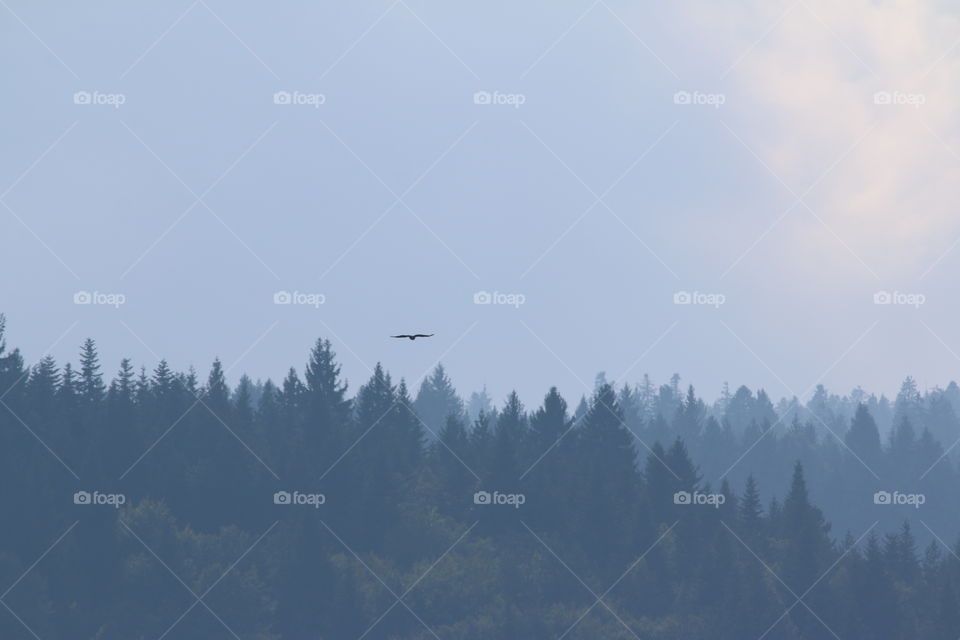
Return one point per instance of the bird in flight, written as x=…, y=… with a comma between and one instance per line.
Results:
x=413, y=336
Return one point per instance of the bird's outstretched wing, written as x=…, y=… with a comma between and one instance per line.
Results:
x=402, y=335
x=423, y=335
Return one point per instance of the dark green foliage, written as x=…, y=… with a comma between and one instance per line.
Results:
x=603, y=511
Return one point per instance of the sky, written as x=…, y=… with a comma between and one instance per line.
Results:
x=755, y=192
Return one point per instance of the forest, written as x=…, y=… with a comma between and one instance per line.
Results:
x=151, y=504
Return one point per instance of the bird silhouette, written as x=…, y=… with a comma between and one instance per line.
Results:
x=413, y=336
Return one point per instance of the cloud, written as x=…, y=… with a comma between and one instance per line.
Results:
x=803, y=83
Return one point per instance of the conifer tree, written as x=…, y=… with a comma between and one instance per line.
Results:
x=12, y=371
x=479, y=401
x=508, y=440
x=325, y=392
x=750, y=515
x=805, y=529
x=91, y=386
x=608, y=482
x=863, y=437
x=550, y=447
x=436, y=400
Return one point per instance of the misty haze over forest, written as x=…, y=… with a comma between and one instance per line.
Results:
x=703, y=524
x=411, y=320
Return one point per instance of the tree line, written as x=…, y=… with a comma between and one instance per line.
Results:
x=156, y=504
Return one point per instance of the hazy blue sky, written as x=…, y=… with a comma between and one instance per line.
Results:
x=598, y=198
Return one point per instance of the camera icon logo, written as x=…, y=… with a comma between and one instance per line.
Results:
x=282, y=297
x=281, y=497
x=482, y=97
x=81, y=497
x=482, y=297
x=82, y=297
x=682, y=297
x=681, y=97
x=882, y=497
x=883, y=97
x=681, y=497
x=482, y=497
x=82, y=97
x=282, y=97
x=882, y=297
